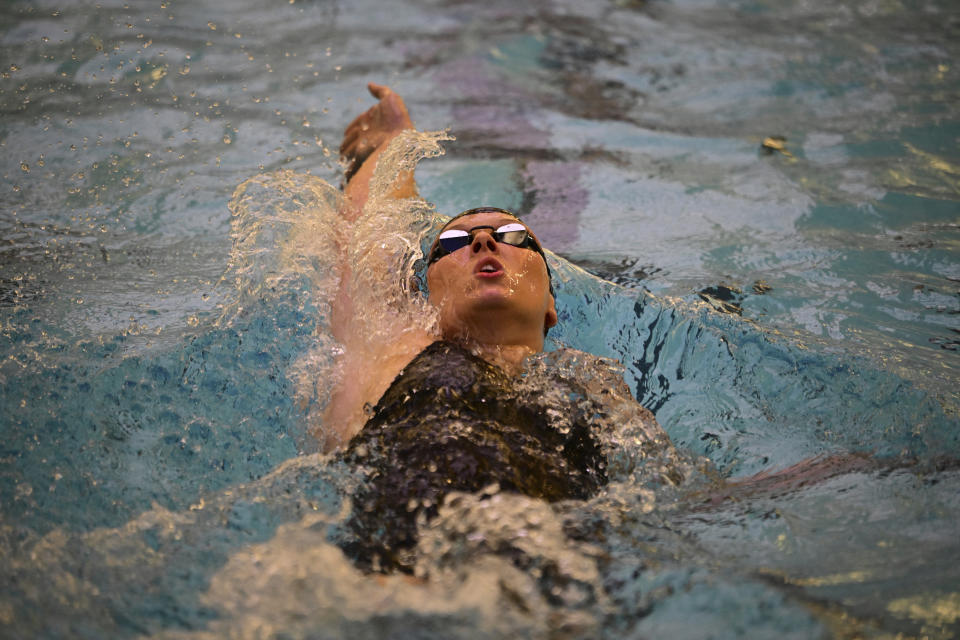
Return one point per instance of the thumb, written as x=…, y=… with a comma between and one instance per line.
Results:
x=378, y=91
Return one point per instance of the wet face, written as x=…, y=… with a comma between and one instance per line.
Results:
x=491, y=291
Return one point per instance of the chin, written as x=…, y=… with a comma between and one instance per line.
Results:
x=494, y=289
x=485, y=301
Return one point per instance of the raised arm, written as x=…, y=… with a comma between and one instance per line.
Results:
x=364, y=141
x=377, y=341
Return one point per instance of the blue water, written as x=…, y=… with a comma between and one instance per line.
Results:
x=156, y=477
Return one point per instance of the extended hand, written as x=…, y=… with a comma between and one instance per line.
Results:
x=374, y=128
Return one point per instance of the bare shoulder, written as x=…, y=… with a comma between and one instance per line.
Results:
x=365, y=373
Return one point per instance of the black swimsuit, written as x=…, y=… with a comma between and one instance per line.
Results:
x=450, y=421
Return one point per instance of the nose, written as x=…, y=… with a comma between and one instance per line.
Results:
x=482, y=239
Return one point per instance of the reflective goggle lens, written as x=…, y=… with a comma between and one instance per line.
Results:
x=512, y=233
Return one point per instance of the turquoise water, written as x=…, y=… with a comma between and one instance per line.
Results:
x=768, y=307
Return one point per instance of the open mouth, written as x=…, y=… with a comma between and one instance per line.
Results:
x=488, y=268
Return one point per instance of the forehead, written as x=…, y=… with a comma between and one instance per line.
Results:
x=493, y=218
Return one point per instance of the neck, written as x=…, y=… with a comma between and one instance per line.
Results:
x=498, y=338
x=507, y=356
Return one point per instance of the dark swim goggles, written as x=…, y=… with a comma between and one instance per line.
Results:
x=512, y=233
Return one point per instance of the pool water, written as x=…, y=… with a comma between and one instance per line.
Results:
x=752, y=205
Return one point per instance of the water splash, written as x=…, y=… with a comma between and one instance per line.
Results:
x=290, y=236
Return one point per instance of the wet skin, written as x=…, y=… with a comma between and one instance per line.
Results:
x=499, y=316
x=492, y=292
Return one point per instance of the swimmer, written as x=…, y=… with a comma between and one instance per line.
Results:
x=487, y=277
x=452, y=412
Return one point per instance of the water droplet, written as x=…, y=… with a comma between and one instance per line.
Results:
x=25, y=167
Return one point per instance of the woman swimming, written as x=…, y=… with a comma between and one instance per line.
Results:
x=470, y=403
x=455, y=410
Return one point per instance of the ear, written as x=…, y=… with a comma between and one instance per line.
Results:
x=550, y=318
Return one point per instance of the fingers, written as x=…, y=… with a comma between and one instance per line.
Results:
x=356, y=146
x=378, y=91
x=364, y=119
x=355, y=130
x=376, y=125
x=347, y=145
x=391, y=106
x=360, y=126
x=359, y=139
